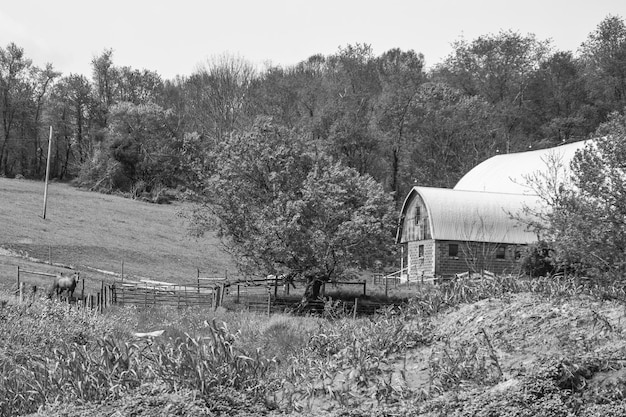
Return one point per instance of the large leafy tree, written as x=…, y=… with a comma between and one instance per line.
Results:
x=401, y=74
x=604, y=57
x=558, y=100
x=499, y=68
x=584, y=222
x=284, y=207
x=217, y=95
x=453, y=134
x=23, y=95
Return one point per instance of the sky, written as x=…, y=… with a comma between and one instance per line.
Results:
x=175, y=37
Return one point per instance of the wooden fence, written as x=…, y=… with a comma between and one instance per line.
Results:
x=261, y=295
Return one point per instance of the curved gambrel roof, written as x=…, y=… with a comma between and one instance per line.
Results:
x=471, y=216
x=508, y=173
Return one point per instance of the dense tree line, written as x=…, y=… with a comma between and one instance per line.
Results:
x=386, y=116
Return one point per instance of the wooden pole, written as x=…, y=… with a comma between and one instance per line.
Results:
x=198, y=279
x=386, y=286
x=18, y=276
x=402, y=263
x=356, y=307
x=122, y=271
x=45, y=190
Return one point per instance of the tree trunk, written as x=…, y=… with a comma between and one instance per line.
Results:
x=313, y=289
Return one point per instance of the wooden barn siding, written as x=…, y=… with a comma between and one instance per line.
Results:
x=412, y=231
x=485, y=252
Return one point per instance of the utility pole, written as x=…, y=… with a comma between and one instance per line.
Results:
x=45, y=190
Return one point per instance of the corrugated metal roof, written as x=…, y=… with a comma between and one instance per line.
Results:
x=474, y=216
x=508, y=173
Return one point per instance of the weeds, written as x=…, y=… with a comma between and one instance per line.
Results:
x=51, y=354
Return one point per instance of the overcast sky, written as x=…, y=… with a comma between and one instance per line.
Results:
x=173, y=37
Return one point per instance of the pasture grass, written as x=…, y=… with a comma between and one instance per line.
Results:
x=85, y=229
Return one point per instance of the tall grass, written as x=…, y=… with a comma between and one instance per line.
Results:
x=51, y=353
x=105, y=367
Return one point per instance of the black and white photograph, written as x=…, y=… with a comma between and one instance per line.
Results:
x=313, y=209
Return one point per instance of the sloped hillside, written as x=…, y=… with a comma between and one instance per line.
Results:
x=99, y=231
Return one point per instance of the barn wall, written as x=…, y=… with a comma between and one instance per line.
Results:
x=421, y=266
x=474, y=257
x=415, y=222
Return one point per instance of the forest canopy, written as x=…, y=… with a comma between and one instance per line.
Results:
x=131, y=131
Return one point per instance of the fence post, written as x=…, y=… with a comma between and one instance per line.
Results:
x=364, y=287
x=237, y=293
x=216, y=297
x=21, y=292
x=269, y=304
x=198, y=279
x=18, y=276
x=386, y=280
x=356, y=307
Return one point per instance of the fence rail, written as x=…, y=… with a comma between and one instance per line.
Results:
x=267, y=295
x=150, y=296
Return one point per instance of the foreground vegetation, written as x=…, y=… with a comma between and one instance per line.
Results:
x=507, y=346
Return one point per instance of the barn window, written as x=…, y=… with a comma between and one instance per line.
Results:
x=420, y=251
x=501, y=252
x=453, y=250
x=418, y=213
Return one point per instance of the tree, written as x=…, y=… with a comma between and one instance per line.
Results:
x=139, y=153
x=23, y=95
x=453, y=134
x=354, y=82
x=218, y=96
x=499, y=68
x=604, y=56
x=584, y=220
x=402, y=74
x=558, y=100
x=281, y=206
x=14, y=67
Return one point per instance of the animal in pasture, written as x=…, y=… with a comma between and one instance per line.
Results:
x=65, y=284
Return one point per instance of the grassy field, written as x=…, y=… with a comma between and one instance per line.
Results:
x=89, y=230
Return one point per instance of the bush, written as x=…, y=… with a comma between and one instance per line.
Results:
x=537, y=260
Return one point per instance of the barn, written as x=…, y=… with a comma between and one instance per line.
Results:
x=475, y=226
